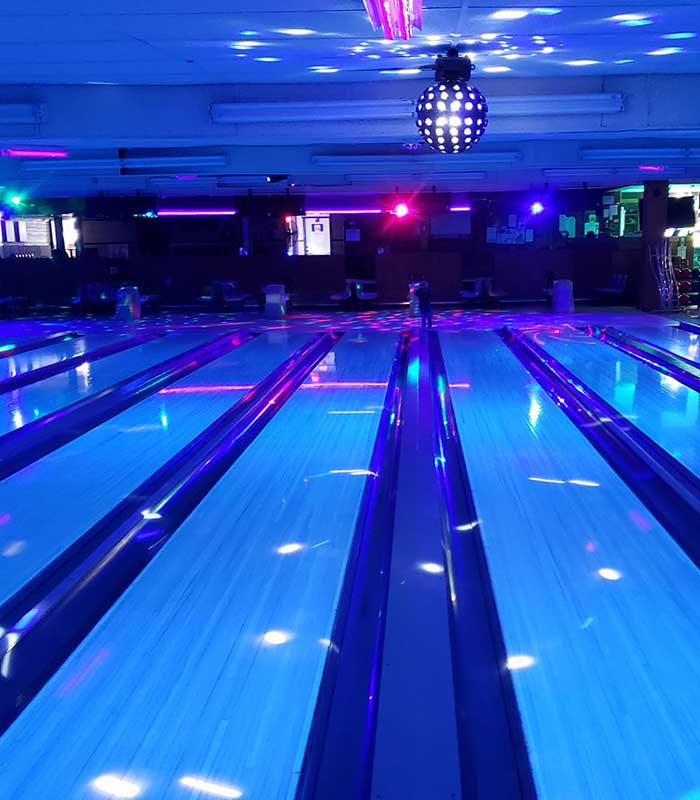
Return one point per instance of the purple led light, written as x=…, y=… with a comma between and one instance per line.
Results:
x=460, y=208
x=650, y=168
x=15, y=152
x=196, y=212
x=318, y=213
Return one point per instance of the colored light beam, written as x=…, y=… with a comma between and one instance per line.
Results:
x=321, y=212
x=396, y=18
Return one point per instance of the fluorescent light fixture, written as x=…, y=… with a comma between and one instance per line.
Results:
x=640, y=154
x=410, y=163
x=23, y=152
x=129, y=162
x=303, y=111
x=582, y=62
x=496, y=69
x=396, y=18
x=268, y=59
x=546, y=11
x=296, y=31
x=637, y=23
x=210, y=787
x=460, y=208
x=196, y=212
x=321, y=213
x=510, y=13
x=386, y=109
x=22, y=113
x=679, y=35
x=665, y=51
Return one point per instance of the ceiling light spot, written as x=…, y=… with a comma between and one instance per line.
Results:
x=679, y=35
x=487, y=37
x=581, y=62
x=546, y=11
x=496, y=69
x=296, y=31
x=292, y=547
x=276, y=637
x=249, y=33
x=268, y=59
x=510, y=13
x=519, y=662
x=665, y=51
x=627, y=17
x=114, y=786
x=407, y=71
x=609, y=574
x=431, y=568
x=245, y=45
x=637, y=23
x=210, y=788
x=547, y=50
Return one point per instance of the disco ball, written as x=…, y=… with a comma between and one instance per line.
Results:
x=451, y=116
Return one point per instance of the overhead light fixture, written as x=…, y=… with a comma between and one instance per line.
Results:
x=451, y=115
x=510, y=13
x=401, y=210
x=396, y=18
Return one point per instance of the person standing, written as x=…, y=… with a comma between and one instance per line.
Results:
x=425, y=306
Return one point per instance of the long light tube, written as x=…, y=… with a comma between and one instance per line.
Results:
x=322, y=212
x=18, y=152
x=196, y=212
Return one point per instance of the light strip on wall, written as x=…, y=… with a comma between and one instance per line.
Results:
x=17, y=152
x=322, y=212
x=460, y=208
x=196, y=212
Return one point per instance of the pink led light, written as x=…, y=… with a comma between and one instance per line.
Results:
x=15, y=152
x=235, y=387
x=318, y=213
x=396, y=18
x=197, y=212
x=401, y=210
x=650, y=168
x=460, y=208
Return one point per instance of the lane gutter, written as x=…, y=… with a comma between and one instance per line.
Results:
x=494, y=762
x=340, y=747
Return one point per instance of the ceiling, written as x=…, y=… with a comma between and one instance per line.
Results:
x=215, y=41
x=113, y=82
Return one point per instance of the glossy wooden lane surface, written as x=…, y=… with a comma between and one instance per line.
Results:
x=605, y=663
x=178, y=681
x=83, y=480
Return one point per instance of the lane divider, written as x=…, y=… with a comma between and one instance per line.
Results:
x=340, y=747
x=49, y=370
x=7, y=350
x=44, y=621
x=668, y=363
x=667, y=487
x=494, y=761
x=28, y=444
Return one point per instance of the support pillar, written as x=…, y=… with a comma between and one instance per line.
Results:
x=654, y=223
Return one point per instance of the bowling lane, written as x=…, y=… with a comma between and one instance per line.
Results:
x=35, y=401
x=663, y=408
x=43, y=356
x=671, y=337
x=208, y=666
x=81, y=481
x=605, y=664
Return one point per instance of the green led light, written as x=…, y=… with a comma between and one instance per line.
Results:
x=15, y=199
